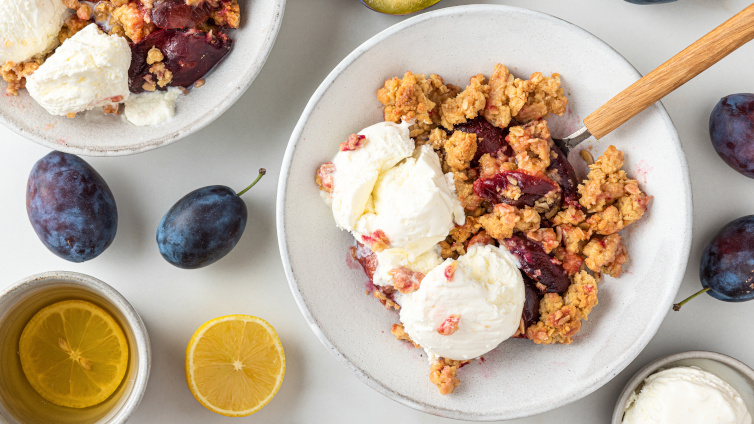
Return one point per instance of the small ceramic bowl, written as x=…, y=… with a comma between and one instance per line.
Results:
x=733, y=371
x=19, y=403
x=95, y=134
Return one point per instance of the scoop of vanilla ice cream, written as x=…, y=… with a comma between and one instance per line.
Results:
x=356, y=171
x=88, y=70
x=413, y=204
x=686, y=395
x=390, y=259
x=29, y=27
x=486, y=294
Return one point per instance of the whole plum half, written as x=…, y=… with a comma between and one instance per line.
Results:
x=70, y=207
x=189, y=55
x=727, y=266
x=731, y=129
x=547, y=272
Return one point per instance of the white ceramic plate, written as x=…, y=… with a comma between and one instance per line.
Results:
x=518, y=378
x=96, y=134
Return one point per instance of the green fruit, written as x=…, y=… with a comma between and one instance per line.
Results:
x=398, y=7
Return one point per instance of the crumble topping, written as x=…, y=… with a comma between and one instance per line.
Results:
x=460, y=149
x=443, y=372
x=405, y=280
x=354, y=142
x=377, y=241
x=450, y=325
x=400, y=333
x=466, y=105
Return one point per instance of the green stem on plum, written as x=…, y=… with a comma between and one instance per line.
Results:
x=262, y=171
x=677, y=306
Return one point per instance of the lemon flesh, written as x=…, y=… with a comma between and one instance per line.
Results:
x=235, y=365
x=399, y=7
x=73, y=354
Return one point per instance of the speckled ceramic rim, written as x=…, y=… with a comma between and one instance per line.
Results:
x=133, y=320
x=675, y=276
x=226, y=101
x=662, y=362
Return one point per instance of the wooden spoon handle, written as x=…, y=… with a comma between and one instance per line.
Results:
x=687, y=64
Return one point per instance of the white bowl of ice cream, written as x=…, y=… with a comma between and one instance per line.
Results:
x=88, y=74
x=517, y=378
x=688, y=388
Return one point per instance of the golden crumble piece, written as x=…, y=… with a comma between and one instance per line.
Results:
x=634, y=204
x=606, y=254
x=406, y=280
x=489, y=166
x=154, y=55
x=437, y=138
x=377, y=241
x=465, y=191
x=439, y=92
x=505, y=219
x=162, y=74
x=103, y=11
x=443, y=373
x=228, y=14
x=15, y=74
x=607, y=222
x=386, y=302
x=404, y=100
x=574, y=238
x=455, y=244
x=111, y=109
x=546, y=237
x=560, y=316
x=570, y=216
x=460, y=149
x=71, y=26
x=400, y=333
x=545, y=97
x=611, y=161
x=132, y=19
x=466, y=105
x=531, y=146
x=497, y=110
x=324, y=177
x=582, y=293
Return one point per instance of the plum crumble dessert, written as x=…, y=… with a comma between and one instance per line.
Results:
x=470, y=222
x=73, y=56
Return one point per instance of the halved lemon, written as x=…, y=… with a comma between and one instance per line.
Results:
x=73, y=353
x=235, y=365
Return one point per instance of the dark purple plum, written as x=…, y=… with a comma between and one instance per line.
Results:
x=531, y=305
x=189, y=55
x=489, y=138
x=727, y=266
x=203, y=226
x=532, y=188
x=176, y=14
x=547, y=272
x=731, y=129
x=561, y=171
x=70, y=207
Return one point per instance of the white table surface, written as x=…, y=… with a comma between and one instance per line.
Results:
x=315, y=36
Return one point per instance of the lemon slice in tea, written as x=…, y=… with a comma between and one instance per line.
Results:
x=73, y=353
x=235, y=365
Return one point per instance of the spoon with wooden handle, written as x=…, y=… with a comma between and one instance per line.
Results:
x=687, y=64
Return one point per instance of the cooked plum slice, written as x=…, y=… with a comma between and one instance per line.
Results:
x=532, y=188
x=531, y=305
x=561, y=171
x=176, y=14
x=489, y=138
x=549, y=275
x=189, y=55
